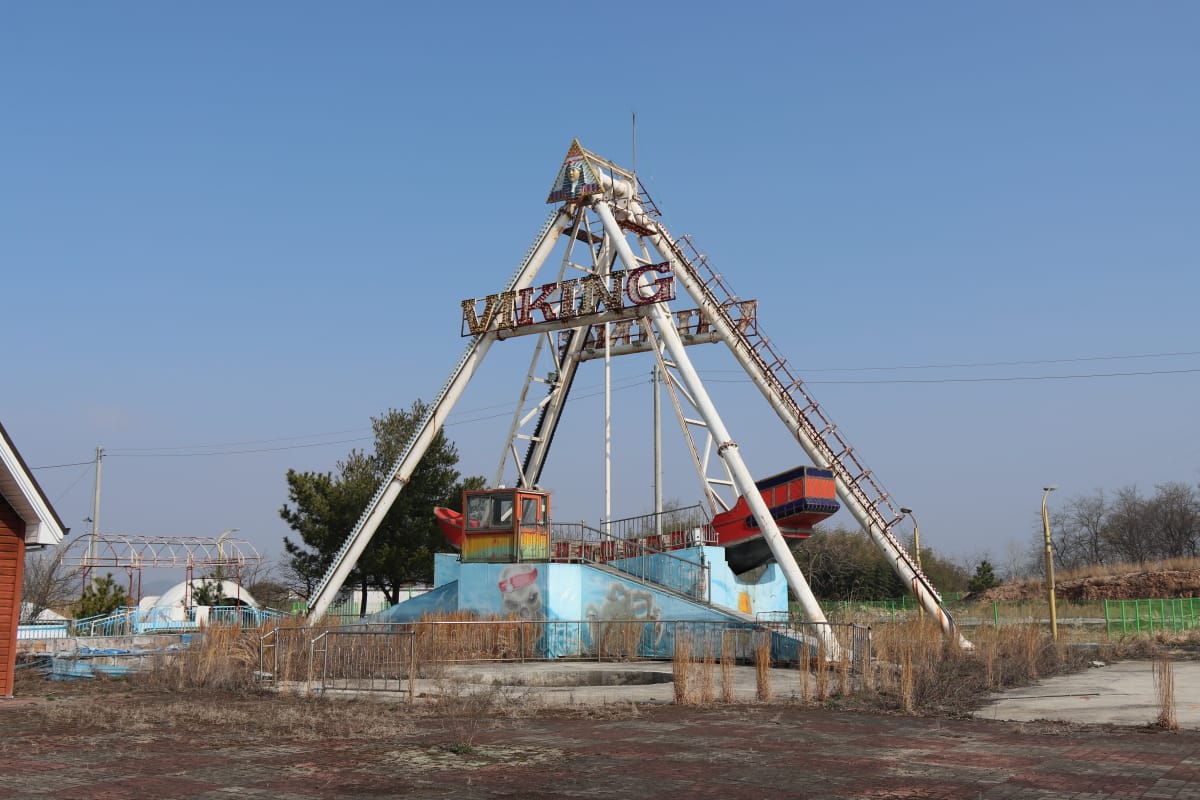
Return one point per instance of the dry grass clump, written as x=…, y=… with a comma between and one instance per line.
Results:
x=681, y=668
x=728, y=662
x=618, y=639
x=473, y=638
x=707, y=668
x=822, y=664
x=1164, y=690
x=1180, y=564
x=918, y=669
x=762, y=667
x=222, y=657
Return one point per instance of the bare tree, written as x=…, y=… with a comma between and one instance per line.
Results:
x=1125, y=533
x=47, y=582
x=1173, y=520
x=1078, y=531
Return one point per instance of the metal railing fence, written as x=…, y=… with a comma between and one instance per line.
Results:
x=1125, y=617
x=154, y=619
x=853, y=639
x=365, y=660
x=389, y=656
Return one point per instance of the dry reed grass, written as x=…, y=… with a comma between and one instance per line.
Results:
x=822, y=666
x=924, y=671
x=762, y=668
x=707, y=668
x=1164, y=690
x=221, y=657
x=681, y=666
x=728, y=662
x=918, y=670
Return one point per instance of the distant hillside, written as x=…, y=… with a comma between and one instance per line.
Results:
x=1133, y=585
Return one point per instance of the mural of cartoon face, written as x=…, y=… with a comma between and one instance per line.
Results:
x=519, y=592
x=623, y=602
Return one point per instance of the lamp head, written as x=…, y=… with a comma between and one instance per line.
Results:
x=1049, y=488
x=904, y=510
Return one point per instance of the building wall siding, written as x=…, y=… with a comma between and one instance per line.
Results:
x=12, y=563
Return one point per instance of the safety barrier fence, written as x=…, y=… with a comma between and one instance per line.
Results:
x=1119, y=618
x=44, y=630
x=392, y=657
x=135, y=620
x=376, y=660
x=1125, y=617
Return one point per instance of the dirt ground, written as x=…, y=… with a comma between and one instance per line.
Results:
x=105, y=741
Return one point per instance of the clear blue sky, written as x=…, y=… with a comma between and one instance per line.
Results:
x=230, y=227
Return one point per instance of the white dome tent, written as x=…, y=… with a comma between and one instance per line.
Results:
x=177, y=604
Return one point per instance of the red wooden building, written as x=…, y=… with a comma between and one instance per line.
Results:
x=26, y=520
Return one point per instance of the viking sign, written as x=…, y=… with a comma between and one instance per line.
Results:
x=568, y=300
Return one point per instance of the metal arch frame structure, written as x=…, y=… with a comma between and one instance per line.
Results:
x=135, y=553
x=622, y=206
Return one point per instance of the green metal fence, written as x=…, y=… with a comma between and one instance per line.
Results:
x=1126, y=617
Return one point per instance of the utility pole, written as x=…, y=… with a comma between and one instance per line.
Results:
x=1049, y=562
x=655, y=379
x=91, y=555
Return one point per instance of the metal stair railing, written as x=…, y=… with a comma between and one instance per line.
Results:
x=632, y=558
x=772, y=367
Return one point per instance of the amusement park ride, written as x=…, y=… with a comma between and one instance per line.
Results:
x=619, y=273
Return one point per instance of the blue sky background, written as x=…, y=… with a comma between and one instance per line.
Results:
x=231, y=227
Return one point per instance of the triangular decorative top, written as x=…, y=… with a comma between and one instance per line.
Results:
x=576, y=177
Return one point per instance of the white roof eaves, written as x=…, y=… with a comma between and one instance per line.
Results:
x=21, y=490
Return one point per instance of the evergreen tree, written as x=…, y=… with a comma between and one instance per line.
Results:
x=102, y=596
x=324, y=508
x=984, y=578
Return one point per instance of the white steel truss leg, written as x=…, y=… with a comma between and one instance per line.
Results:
x=868, y=516
x=727, y=449
x=441, y=407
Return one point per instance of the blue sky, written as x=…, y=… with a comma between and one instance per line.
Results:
x=232, y=227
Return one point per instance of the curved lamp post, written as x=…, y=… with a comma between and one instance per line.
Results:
x=916, y=535
x=1046, y=490
x=916, y=548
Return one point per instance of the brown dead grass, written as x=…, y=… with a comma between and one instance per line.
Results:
x=1176, y=577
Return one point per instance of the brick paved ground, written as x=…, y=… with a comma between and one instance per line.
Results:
x=137, y=746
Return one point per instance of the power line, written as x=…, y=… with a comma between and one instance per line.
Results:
x=235, y=452
x=996, y=379
x=464, y=417
x=977, y=364
x=235, y=444
x=74, y=483
x=59, y=466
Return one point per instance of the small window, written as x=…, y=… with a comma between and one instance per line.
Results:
x=503, y=511
x=477, y=511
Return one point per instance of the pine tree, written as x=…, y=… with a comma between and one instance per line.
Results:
x=101, y=597
x=984, y=578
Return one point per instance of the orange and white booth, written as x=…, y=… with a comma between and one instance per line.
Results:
x=27, y=520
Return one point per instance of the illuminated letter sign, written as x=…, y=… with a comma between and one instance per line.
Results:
x=565, y=300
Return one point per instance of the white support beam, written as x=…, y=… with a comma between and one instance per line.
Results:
x=402, y=471
x=727, y=448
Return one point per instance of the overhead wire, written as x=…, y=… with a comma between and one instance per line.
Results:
x=979, y=364
x=465, y=417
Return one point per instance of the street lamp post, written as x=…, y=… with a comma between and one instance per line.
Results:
x=1046, y=490
x=916, y=549
x=916, y=535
